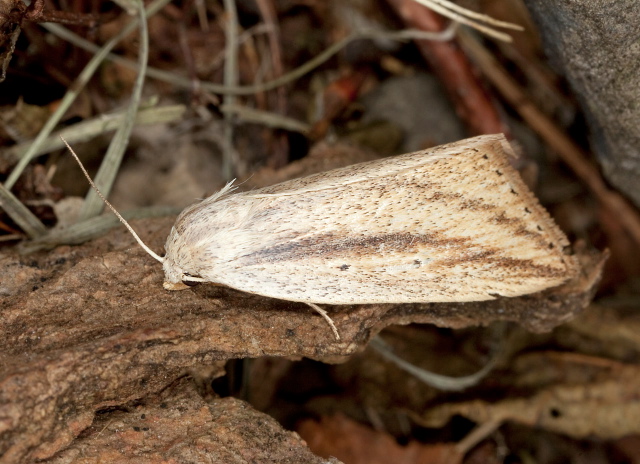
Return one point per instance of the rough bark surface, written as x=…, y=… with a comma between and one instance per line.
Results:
x=595, y=45
x=179, y=426
x=90, y=327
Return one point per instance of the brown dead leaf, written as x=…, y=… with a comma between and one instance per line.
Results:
x=11, y=14
x=590, y=397
x=354, y=443
x=610, y=329
x=322, y=157
x=22, y=121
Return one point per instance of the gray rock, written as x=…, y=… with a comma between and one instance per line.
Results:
x=596, y=45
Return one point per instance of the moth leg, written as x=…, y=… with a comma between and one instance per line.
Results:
x=324, y=314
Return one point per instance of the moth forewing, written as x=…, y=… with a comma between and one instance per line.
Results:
x=454, y=223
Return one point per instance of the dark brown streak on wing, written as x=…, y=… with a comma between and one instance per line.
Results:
x=517, y=267
x=329, y=246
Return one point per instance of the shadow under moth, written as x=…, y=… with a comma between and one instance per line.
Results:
x=453, y=223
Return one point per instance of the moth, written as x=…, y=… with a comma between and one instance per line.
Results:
x=453, y=223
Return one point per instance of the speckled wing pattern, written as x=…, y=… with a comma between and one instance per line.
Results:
x=453, y=223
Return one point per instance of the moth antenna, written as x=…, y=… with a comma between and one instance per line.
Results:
x=106, y=202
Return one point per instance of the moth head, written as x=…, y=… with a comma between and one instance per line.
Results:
x=177, y=279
